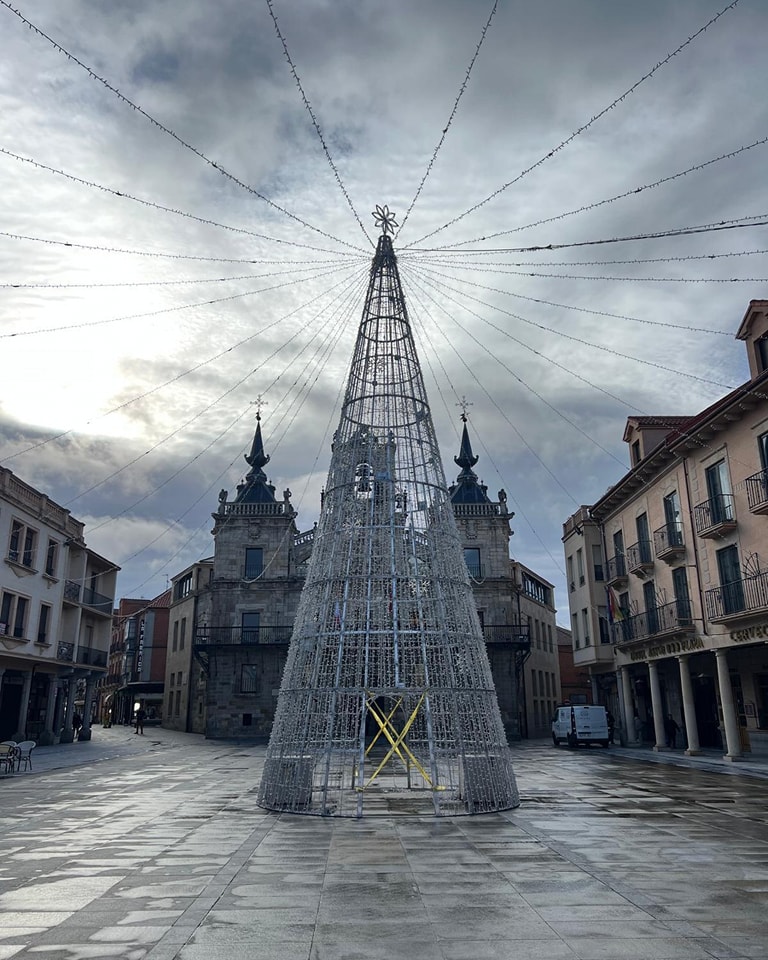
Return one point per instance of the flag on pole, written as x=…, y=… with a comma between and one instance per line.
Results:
x=615, y=613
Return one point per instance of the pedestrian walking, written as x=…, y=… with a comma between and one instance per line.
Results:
x=611, y=725
x=670, y=730
x=140, y=718
x=77, y=722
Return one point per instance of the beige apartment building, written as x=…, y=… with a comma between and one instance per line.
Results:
x=675, y=556
x=56, y=600
x=184, y=686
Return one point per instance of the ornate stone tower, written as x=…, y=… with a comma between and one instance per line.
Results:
x=484, y=530
x=243, y=629
x=387, y=694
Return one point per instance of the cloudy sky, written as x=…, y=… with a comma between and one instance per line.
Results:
x=163, y=267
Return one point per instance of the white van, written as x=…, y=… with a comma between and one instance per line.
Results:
x=580, y=724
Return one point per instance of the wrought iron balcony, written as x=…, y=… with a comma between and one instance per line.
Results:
x=233, y=636
x=475, y=569
x=757, y=492
x=665, y=620
x=516, y=635
x=738, y=598
x=617, y=569
x=65, y=651
x=715, y=516
x=640, y=557
x=668, y=541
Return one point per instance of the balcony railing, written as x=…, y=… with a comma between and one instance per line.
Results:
x=88, y=597
x=757, y=492
x=668, y=542
x=65, y=651
x=514, y=635
x=715, y=516
x=669, y=618
x=98, y=601
x=91, y=657
x=228, y=636
x=517, y=635
x=738, y=597
x=475, y=569
x=640, y=556
x=617, y=568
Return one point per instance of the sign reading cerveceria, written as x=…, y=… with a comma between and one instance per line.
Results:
x=759, y=632
x=684, y=645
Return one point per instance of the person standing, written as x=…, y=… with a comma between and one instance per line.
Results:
x=670, y=730
x=140, y=718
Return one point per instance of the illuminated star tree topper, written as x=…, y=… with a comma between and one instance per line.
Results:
x=385, y=219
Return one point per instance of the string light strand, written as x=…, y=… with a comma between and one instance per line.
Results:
x=161, y=207
x=166, y=130
x=447, y=127
x=585, y=126
x=588, y=207
x=315, y=122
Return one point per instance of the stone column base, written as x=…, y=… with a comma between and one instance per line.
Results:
x=67, y=736
x=692, y=753
x=658, y=749
x=733, y=758
x=84, y=735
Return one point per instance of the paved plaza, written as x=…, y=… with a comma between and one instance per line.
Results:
x=152, y=848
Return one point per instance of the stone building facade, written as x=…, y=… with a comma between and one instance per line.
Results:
x=240, y=607
x=244, y=627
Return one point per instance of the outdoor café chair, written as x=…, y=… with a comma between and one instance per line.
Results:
x=8, y=756
x=24, y=754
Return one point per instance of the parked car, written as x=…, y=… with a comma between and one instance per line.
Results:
x=580, y=724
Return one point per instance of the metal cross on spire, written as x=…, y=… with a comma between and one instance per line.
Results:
x=259, y=402
x=465, y=405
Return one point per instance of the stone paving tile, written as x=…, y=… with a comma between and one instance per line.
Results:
x=365, y=949
x=614, y=929
x=673, y=948
x=753, y=947
x=270, y=929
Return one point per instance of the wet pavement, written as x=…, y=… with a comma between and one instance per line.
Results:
x=152, y=848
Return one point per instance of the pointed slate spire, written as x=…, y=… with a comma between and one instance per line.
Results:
x=255, y=488
x=467, y=489
x=466, y=460
x=387, y=696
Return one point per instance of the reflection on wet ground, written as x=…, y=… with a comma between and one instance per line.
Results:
x=158, y=851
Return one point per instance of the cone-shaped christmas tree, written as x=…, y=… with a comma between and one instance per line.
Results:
x=387, y=694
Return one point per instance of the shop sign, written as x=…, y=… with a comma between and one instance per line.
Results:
x=670, y=649
x=759, y=632
x=140, y=658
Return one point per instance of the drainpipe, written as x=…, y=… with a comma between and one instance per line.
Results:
x=188, y=720
x=697, y=564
